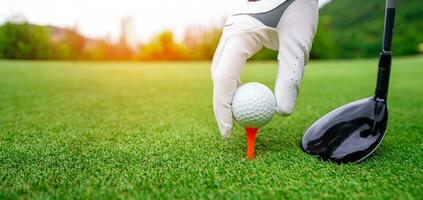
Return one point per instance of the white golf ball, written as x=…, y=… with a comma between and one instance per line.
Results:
x=253, y=105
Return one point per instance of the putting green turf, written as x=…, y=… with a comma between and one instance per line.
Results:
x=131, y=130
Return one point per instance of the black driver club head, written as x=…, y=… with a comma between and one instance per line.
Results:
x=349, y=133
x=353, y=132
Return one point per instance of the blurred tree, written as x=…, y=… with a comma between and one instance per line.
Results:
x=201, y=42
x=323, y=46
x=67, y=44
x=353, y=29
x=99, y=50
x=20, y=40
x=163, y=47
x=122, y=51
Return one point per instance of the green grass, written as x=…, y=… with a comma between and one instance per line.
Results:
x=131, y=130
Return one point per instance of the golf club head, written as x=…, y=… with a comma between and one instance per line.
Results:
x=350, y=133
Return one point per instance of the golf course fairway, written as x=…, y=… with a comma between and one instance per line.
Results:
x=146, y=130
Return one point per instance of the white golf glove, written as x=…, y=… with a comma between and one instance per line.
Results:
x=287, y=26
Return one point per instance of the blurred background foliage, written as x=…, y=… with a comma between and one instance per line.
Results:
x=346, y=30
x=354, y=29
x=21, y=40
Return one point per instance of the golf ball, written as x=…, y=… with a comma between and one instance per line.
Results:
x=253, y=105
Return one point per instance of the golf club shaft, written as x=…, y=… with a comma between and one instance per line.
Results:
x=386, y=56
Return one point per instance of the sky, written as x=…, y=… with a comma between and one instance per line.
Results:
x=102, y=18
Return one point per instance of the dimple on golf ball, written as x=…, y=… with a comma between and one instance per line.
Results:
x=253, y=105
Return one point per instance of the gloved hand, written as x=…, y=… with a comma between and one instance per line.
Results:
x=287, y=26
